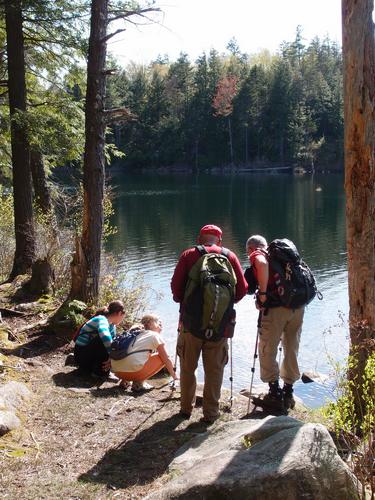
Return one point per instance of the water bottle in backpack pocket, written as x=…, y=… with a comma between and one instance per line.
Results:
x=231, y=325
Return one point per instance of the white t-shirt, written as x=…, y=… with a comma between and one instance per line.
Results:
x=135, y=362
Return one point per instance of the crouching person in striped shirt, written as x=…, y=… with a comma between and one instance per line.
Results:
x=93, y=343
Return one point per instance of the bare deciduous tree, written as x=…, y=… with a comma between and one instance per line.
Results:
x=86, y=261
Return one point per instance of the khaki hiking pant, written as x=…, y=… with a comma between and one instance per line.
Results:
x=285, y=324
x=214, y=357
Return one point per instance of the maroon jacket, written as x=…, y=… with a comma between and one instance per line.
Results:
x=189, y=257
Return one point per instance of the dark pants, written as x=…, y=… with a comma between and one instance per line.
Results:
x=90, y=358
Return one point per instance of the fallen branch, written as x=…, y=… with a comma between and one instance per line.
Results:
x=119, y=115
x=37, y=445
x=10, y=312
x=33, y=325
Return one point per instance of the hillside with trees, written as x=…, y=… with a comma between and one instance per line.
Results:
x=234, y=108
x=63, y=102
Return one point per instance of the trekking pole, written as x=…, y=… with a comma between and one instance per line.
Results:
x=173, y=384
x=280, y=351
x=231, y=374
x=255, y=357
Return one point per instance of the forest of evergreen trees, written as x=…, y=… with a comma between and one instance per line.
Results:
x=233, y=108
x=230, y=109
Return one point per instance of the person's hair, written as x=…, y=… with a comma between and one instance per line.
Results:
x=149, y=318
x=136, y=326
x=256, y=241
x=209, y=239
x=113, y=307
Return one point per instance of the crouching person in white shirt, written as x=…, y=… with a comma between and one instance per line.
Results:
x=145, y=357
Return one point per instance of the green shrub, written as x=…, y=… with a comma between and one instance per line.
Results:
x=118, y=285
x=357, y=432
x=7, y=245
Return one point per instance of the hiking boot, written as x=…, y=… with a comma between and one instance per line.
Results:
x=103, y=377
x=124, y=384
x=70, y=360
x=273, y=400
x=111, y=377
x=141, y=387
x=289, y=401
x=208, y=420
x=184, y=415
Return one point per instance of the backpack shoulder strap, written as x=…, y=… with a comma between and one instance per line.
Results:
x=225, y=252
x=78, y=331
x=135, y=352
x=201, y=249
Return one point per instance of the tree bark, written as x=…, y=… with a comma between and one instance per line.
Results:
x=42, y=278
x=41, y=189
x=86, y=262
x=22, y=188
x=359, y=142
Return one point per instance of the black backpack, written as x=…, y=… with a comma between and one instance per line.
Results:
x=293, y=283
x=122, y=342
x=207, y=308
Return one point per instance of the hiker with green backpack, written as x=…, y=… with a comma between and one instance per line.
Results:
x=283, y=285
x=207, y=281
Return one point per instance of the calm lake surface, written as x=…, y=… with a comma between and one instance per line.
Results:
x=158, y=216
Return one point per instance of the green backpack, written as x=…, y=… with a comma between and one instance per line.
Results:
x=207, y=307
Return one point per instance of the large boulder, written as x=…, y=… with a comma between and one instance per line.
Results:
x=8, y=422
x=276, y=458
x=12, y=395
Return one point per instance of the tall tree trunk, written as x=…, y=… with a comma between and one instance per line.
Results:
x=41, y=189
x=359, y=140
x=86, y=262
x=22, y=189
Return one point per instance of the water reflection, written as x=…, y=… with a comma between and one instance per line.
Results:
x=158, y=216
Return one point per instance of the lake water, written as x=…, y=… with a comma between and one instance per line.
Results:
x=158, y=216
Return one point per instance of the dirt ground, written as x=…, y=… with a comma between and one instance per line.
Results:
x=85, y=440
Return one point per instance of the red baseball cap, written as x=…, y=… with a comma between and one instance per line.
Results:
x=211, y=229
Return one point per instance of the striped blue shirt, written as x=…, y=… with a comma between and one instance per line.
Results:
x=98, y=325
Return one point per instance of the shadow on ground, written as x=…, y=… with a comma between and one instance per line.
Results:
x=38, y=343
x=141, y=459
x=75, y=379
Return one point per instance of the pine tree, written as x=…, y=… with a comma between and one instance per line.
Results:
x=22, y=189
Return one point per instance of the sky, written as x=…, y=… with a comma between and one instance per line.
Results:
x=194, y=26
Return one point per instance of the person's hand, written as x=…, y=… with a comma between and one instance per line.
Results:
x=174, y=383
x=260, y=301
x=106, y=365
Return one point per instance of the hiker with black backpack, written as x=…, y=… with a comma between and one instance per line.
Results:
x=283, y=285
x=140, y=353
x=207, y=281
